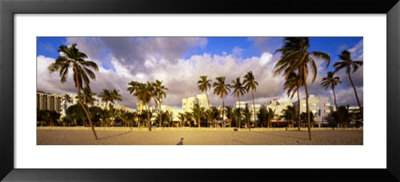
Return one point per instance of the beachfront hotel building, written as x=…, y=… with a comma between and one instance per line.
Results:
x=278, y=107
x=175, y=111
x=319, y=106
x=47, y=101
x=242, y=105
x=201, y=99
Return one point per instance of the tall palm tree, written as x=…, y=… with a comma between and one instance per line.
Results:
x=204, y=85
x=144, y=92
x=221, y=89
x=115, y=96
x=159, y=95
x=292, y=85
x=87, y=96
x=251, y=84
x=133, y=86
x=71, y=57
x=350, y=66
x=106, y=96
x=296, y=57
x=238, y=90
x=331, y=82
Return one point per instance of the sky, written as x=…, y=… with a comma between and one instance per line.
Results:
x=180, y=61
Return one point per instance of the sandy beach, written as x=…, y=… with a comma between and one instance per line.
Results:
x=124, y=136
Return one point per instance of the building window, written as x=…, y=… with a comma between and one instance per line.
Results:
x=327, y=104
x=327, y=111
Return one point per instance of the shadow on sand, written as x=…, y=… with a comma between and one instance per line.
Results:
x=112, y=136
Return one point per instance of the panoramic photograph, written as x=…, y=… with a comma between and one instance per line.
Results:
x=199, y=91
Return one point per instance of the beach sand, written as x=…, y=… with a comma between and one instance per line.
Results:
x=84, y=136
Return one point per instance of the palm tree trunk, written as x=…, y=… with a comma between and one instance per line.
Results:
x=240, y=115
x=223, y=111
x=334, y=97
x=254, y=107
x=308, y=110
x=298, y=111
x=148, y=117
x=355, y=91
x=83, y=107
x=159, y=111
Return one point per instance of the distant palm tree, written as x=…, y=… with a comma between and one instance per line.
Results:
x=238, y=116
x=351, y=66
x=247, y=116
x=289, y=114
x=115, y=96
x=197, y=113
x=181, y=117
x=204, y=85
x=144, y=92
x=188, y=117
x=67, y=99
x=159, y=95
x=87, y=96
x=230, y=113
x=270, y=116
x=331, y=82
x=238, y=90
x=296, y=57
x=221, y=89
x=71, y=57
x=293, y=84
x=251, y=84
x=106, y=96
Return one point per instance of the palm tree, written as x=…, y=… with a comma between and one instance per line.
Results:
x=66, y=98
x=238, y=116
x=247, y=116
x=197, y=114
x=204, y=85
x=289, y=114
x=230, y=113
x=188, y=117
x=181, y=117
x=221, y=89
x=238, y=90
x=292, y=85
x=144, y=92
x=351, y=66
x=270, y=116
x=115, y=96
x=106, y=96
x=71, y=57
x=159, y=95
x=296, y=57
x=251, y=84
x=331, y=82
x=87, y=96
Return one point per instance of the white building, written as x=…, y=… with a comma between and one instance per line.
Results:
x=319, y=106
x=201, y=99
x=175, y=111
x=47, y=101
x=242, y=105
x=278, y=107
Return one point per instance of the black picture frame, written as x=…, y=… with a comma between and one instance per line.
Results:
x=9, y=8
